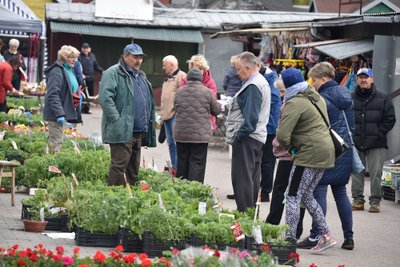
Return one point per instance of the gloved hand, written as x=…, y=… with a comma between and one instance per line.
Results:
x=61, y=120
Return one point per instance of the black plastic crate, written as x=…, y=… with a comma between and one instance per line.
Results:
x=60, y=224
x=388, y=193
x=87, y=239
x=220, y=246
x=153, y=247
x=129, y=240
x=281, y=252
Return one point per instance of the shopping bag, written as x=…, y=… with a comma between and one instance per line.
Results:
x=161, y=135
x=357, y=164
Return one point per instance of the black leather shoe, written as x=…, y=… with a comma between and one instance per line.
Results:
x=265, y=197
x=232, y=196
x=348, y=244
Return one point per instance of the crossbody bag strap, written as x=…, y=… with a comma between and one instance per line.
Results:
x=320, y=112
x=348, y=128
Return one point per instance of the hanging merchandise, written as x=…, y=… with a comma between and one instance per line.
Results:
x=351, y=82
x=346, y=77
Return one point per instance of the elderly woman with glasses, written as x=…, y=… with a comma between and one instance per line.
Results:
x=59, y=104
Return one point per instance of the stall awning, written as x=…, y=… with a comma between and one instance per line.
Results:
x=14, y=23
x=257, y=31
x=160, y=34
x=347, y=49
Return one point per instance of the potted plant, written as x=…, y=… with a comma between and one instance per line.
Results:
x=36, y=223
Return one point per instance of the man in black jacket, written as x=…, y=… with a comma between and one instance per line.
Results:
x=374, y=117
x=89, y=65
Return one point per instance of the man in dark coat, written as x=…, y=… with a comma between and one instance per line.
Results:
x=89, y=65
x=375, y=117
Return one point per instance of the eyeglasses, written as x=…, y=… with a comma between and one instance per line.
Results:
x=72, y=57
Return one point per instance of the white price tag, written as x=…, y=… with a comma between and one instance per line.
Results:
x=14, y=145
x=202, y=208
x=257, y=234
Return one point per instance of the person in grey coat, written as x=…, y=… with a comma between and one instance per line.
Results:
x=193, y=105
x=61, y=84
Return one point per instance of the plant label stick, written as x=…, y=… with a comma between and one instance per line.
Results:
x=127, y=185
x=75, y=179
x=161, y=202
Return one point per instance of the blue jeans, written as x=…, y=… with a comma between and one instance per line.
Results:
x=169, y=133
x=342, y=204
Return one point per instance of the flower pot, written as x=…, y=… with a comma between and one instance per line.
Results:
x=34, y=226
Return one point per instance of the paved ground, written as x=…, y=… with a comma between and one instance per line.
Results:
x=377, y=236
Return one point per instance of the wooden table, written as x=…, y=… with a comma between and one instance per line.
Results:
x=7, y=170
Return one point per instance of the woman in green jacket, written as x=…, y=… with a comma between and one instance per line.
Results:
x=303, y=132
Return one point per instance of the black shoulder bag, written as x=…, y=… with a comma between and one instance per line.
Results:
x=340, y=145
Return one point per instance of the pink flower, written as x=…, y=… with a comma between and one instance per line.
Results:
x=68, y=260
x=244, y=254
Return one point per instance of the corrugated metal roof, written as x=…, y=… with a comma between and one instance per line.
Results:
x=177, y=18
x=177, y=35
x=346, y=49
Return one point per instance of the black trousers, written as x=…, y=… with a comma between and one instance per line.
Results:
x=267, y=166
x=278, y=194
x=246, y=172
x=192, y=159
x=125, y=159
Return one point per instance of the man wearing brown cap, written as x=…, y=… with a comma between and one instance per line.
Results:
x=374, y=118
x=89, y=65
x=128, y=121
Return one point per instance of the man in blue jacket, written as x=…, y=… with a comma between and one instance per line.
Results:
x=268, y=158
x=128, y=121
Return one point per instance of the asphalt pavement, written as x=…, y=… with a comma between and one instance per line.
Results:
x=376, y=236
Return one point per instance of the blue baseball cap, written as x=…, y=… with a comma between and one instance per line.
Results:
x=133, y=49
x=366, y=71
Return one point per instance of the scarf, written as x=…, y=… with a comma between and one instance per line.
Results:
x=295, y=89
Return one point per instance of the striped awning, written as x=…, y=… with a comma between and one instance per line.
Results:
x=160, y=34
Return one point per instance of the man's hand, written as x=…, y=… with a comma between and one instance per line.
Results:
x=61, y=120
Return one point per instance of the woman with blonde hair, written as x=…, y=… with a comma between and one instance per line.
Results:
x=200, y=62
x=59, y=105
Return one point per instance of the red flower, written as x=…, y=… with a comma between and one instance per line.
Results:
x=313, y=265
x=144, y=186
x=22, y=254
x=341, y=265
x=146, y=262
x=119, y=248
x=164, y=261
x=34, y=257
x=42, y=251
x=60, y=250
x=175, y=251
x=15, y=247
x=39, y=246
x=294, y=255
x=266, y=248
x=56, y=257
x=83, y=265
x=99, y=257
x=234, y=251
x=143, y=256
x=131, y=258
x=21, y=263
x=68, y=260
x=76, y=250
x=216, y=254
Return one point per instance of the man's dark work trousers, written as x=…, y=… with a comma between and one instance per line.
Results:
x=125, y=158
x=246, y=172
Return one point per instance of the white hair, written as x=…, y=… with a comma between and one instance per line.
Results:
x=171, y=59
x=13, y=42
